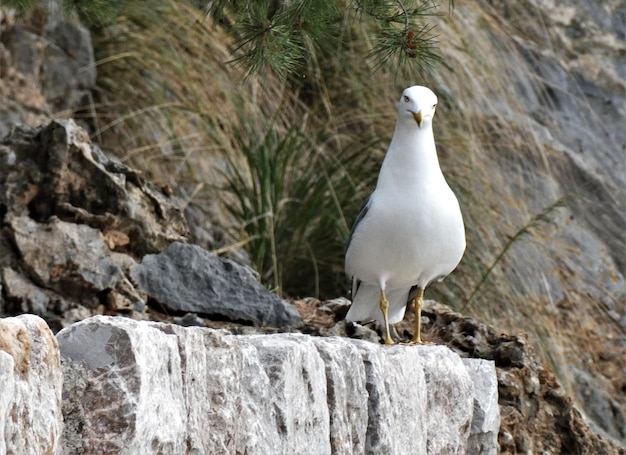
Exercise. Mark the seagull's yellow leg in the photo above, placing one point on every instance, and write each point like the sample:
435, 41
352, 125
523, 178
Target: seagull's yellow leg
384, 307
418, 304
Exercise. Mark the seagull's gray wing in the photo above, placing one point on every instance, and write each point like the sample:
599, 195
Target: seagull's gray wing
354, 284
364, 208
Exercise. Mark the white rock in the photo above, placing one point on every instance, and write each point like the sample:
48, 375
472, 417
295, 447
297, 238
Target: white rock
143, 387
7, 395
30, 387
347, 394
211, 365
129, 394
296, 404
450, 400
483, 439
258, 434
397, 402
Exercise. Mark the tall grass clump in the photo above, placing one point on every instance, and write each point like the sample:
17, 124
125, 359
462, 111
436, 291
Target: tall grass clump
287, 196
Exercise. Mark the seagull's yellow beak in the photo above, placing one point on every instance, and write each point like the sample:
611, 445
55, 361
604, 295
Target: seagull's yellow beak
419, 117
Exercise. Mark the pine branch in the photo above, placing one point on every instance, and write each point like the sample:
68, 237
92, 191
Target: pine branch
271, 34
402, 45
265, 41
411, 41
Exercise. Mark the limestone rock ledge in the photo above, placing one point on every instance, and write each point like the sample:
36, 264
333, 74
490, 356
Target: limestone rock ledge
146, 387
30, 387
135, 387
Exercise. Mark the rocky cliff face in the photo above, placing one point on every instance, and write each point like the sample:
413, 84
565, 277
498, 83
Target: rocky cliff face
549, 95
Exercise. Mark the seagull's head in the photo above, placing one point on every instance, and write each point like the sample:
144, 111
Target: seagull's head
418, 104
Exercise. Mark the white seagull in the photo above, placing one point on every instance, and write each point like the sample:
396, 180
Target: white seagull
410, 230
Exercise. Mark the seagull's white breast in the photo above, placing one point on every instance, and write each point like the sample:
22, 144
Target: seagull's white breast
412, 234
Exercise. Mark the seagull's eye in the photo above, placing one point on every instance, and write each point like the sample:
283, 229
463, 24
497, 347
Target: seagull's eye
434, 106
406, 99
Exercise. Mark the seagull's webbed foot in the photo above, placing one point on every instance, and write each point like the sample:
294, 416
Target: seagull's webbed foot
384, 307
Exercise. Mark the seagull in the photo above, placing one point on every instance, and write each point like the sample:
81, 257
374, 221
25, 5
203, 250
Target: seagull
409, 232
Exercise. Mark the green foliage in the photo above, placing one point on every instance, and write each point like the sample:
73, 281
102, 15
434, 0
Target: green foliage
286, 37
403, 37
288, 198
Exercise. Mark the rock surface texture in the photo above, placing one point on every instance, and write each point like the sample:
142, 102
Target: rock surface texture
31, 421
46, 66
144, 387
133, 387
187, 278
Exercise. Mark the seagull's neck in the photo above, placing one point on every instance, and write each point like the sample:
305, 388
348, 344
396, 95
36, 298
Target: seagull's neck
411, 158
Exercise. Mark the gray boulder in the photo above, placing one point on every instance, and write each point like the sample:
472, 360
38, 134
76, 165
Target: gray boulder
187, 278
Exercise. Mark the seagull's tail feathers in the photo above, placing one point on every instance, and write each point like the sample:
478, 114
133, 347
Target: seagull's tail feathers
366, 304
